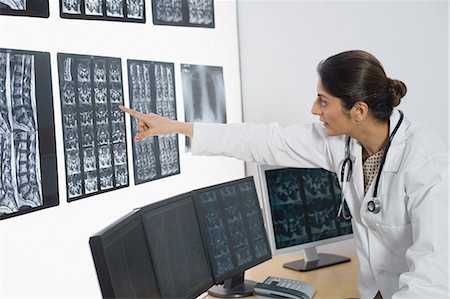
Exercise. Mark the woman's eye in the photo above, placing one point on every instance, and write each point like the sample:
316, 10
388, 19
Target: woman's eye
322, 102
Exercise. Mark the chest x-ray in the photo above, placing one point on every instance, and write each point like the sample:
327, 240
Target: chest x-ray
94, 129
203, 94
23, 178
152, 89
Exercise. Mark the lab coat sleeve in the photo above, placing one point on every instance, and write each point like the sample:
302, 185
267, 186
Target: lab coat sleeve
427, 258
295, 146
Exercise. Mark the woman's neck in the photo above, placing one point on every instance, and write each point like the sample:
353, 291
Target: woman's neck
372, 136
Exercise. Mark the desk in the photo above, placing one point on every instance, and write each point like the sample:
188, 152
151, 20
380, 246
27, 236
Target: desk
338, 281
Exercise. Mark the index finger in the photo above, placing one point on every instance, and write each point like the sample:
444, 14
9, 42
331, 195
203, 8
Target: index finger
132, 112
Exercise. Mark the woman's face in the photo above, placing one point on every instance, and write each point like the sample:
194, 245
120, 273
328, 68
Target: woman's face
331, 112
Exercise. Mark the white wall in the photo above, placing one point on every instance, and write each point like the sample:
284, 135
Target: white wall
281, 43
45, 254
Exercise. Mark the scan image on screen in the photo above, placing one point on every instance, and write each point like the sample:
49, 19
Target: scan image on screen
188, 244
94, 132
180, 260
232, 227
152, 90
304, 206
301, 206
27, 134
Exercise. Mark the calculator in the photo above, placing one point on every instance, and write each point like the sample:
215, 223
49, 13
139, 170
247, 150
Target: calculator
276, 287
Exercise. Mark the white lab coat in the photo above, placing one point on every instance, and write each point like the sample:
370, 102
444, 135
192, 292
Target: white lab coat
403, 250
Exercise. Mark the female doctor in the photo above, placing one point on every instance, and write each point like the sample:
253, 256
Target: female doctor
393, 173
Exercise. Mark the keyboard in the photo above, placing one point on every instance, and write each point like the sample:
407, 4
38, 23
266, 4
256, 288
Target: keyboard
276, 287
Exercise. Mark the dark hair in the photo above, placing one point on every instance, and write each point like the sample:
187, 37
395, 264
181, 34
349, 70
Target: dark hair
357, 76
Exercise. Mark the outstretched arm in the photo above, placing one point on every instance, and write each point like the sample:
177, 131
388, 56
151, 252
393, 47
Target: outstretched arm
295, 146
152, 124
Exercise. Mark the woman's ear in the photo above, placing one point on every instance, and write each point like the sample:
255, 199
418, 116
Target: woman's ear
359, 111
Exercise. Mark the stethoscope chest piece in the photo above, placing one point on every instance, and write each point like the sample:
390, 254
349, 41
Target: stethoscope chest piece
374, 206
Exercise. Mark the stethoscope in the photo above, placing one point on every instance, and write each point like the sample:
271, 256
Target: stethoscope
374, 205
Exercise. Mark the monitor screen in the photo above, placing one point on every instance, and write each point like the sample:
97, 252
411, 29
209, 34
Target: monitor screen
233, 227
301, 207
179, 257
122, 260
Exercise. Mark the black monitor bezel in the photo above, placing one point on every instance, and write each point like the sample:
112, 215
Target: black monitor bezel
218, 279
96, 243
169, 201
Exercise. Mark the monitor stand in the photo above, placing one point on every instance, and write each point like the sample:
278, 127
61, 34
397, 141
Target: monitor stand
234, 287
315, 261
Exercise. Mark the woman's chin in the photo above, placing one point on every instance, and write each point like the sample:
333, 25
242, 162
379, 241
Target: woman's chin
331, 132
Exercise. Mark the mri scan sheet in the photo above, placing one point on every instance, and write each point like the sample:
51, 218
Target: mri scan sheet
152, 89
29, 8
106, 10
191, 13
28, 178
93, 126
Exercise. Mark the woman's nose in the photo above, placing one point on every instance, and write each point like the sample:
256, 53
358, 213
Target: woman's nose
315, 109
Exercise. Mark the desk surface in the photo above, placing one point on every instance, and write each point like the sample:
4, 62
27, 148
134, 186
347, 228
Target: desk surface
337, 281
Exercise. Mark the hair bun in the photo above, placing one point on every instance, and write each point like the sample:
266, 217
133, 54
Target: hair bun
397, 90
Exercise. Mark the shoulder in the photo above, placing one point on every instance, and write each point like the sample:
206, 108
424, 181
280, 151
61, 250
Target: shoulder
425, 152
422, 141
425, 161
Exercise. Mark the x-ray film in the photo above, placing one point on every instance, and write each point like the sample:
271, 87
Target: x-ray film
27, 137
93, 127
304, 205
30, 8
152, 89
204, 95
107, 10
191, 13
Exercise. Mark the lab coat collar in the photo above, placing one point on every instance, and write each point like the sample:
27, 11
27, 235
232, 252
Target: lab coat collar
357, 177
395, 153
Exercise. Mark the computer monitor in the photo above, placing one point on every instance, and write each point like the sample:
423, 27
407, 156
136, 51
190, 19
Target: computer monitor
175, 242
233, 230
122, 260
300, 208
